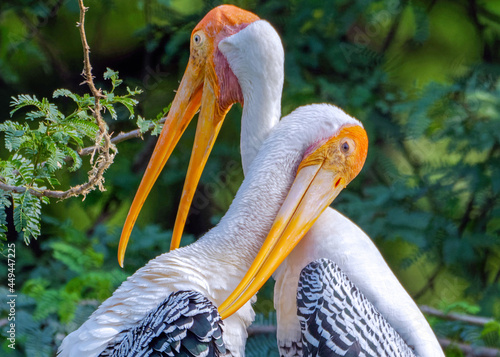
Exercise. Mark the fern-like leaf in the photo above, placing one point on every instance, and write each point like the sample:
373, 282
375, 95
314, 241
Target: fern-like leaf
77, 160
66, 93
14, 135
85, 127
56, 159
113, 75
129, 103
27, 210
4, 203
22, 101
111, 110
73, 258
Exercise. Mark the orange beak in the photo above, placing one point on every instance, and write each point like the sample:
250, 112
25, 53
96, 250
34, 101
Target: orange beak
322, 175
199, 88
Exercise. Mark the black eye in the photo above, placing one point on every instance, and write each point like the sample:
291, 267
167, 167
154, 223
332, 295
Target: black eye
197, 39
345, 147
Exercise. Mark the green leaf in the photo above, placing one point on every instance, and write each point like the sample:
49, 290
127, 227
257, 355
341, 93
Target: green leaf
134, 92
129, 103
4, 203
77, 160
462, 306
111, 110
74, 258
110, 73
27, 210
23, 100
14, 135
55, 160
84, 127
143, 124
66, 93
113, 75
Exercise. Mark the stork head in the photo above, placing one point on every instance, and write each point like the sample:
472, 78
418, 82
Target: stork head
208, 85
327, 166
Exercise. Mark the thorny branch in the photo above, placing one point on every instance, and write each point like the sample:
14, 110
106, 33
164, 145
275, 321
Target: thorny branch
105, 158
85, 151
103, 144
119, 138
469, 319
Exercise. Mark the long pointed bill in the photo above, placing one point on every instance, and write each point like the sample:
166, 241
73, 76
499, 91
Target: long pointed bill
185, 105
209, 123
312, 191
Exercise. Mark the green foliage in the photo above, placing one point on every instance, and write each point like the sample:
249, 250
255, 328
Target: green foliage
422, 76
27, 209
491, 333
39, 153
153, 125
4, 203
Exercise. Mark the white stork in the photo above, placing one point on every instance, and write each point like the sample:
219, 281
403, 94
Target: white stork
310, 157
248, 65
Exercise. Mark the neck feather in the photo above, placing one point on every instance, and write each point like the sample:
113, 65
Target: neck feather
261, 112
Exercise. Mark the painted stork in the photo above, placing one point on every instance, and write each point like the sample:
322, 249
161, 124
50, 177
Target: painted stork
308, 159
237, 57
337, 320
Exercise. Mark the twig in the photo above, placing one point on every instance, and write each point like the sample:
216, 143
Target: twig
430, 283
105, 158
392, 31
103, 142
119, 138
85, 151
469, 350
37, 193
469, 319
87, 68
466, 217
261, 329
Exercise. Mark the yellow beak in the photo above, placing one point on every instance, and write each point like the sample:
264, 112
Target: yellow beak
321, 176
197, 88
209, 124
312, 191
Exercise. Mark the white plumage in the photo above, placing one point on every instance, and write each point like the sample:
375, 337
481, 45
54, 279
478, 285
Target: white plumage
256, 59
215, 263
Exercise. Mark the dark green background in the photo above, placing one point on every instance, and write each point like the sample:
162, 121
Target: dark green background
422, 76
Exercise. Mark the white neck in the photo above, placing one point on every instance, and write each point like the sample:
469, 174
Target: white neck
256, 57
270, 176
229, 247
260, 114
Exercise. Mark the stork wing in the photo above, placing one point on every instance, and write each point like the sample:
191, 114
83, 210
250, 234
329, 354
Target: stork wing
337, 320
186, 323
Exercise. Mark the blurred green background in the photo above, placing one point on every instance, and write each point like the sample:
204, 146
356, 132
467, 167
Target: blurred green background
422, 76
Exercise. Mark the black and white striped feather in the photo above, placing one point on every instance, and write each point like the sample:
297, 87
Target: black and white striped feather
184, 324
337, 320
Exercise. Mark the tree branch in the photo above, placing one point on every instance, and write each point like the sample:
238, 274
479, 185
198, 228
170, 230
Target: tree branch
469, 319
105, 158
119, 138
103, 143
469, 350
85, 151
430, 283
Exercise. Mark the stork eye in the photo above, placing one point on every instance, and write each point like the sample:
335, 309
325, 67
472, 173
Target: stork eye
347, 146
197, 39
